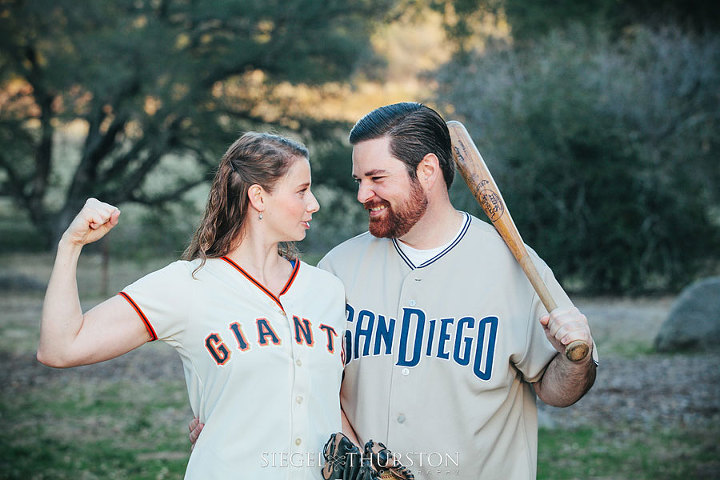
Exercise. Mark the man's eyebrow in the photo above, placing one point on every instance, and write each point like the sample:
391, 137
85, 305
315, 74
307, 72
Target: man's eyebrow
372, 173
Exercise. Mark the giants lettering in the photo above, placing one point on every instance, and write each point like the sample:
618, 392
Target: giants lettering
265, 330
464, 341
217, 348
331, 334
267, 336
303, 328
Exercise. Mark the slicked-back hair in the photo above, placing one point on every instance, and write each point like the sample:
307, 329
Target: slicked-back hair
414, 131
254, 158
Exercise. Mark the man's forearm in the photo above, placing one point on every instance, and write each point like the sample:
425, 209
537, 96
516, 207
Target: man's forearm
565, 382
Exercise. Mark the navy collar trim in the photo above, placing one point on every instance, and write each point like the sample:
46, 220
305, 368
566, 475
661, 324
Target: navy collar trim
463, 231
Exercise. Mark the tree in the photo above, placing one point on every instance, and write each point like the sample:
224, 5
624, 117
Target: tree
158, 88
605, 150
466, 20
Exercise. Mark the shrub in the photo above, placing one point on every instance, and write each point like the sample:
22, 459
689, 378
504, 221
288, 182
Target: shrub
606, 150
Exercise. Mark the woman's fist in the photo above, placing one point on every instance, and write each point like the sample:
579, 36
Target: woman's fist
92, 223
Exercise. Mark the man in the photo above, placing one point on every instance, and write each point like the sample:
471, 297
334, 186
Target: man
446, 344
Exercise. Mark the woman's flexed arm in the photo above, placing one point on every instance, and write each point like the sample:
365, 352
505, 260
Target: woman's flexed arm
67, 337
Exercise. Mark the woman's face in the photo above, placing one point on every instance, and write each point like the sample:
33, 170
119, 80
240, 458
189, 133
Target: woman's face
290, 206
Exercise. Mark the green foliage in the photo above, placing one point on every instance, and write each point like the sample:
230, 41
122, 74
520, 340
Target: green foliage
153, 86
109, 430
160, 231
668, 453
605, 151
695, 15
529, 20
340, 217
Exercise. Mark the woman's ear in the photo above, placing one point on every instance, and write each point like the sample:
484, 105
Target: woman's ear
256, 196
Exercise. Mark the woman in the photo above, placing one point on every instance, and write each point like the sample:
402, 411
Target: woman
260, 348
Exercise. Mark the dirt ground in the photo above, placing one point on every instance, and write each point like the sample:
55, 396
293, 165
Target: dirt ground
634, 386
636, 389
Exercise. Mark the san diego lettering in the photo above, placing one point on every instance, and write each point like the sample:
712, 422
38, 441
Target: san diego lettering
467, 341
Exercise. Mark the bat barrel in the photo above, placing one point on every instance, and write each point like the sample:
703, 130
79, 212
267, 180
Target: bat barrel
477, 176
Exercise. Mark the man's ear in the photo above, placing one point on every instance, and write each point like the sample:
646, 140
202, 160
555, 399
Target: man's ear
256, 196
428, 170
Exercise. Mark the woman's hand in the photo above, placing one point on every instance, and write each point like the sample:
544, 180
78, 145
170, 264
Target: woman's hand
92, 223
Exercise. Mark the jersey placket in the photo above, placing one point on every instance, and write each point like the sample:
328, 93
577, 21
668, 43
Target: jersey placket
403, 379
299, 414
298, 366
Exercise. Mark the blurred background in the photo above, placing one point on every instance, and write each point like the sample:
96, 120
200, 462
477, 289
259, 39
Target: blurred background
600, 121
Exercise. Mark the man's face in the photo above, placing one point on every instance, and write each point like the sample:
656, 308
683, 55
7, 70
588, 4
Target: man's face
394, 201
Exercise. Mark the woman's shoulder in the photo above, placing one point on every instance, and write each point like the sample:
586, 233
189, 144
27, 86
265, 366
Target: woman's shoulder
181, 266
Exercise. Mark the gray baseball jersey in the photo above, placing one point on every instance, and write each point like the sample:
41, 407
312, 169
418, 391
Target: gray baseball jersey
263, 372
440, 356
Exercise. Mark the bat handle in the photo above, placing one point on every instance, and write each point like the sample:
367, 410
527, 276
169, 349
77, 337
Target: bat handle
577, 350
574, 351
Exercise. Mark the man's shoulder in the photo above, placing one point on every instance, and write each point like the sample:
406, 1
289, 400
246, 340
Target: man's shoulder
484, 233
349, 248
319, 276
480, 226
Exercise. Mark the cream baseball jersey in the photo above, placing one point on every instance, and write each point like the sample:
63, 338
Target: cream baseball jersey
263, 372
439, 356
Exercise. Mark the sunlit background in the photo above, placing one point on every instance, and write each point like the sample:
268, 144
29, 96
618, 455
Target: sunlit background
599, 119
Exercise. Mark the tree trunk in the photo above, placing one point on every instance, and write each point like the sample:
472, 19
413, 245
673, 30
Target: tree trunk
57, 223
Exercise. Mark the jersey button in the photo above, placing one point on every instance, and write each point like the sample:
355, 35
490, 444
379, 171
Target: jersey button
406, 371
412, 303
298, 362
299, 399
298, 441
401, 418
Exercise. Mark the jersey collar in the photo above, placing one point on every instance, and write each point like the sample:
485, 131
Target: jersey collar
293, 276
460, 235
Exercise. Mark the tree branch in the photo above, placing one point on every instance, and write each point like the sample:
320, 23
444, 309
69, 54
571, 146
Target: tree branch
166, 196
15, 182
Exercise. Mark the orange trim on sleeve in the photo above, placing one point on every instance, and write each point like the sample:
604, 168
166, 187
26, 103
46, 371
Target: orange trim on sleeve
148, 326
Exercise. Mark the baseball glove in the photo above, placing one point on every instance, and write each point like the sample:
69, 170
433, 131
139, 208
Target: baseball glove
344, 461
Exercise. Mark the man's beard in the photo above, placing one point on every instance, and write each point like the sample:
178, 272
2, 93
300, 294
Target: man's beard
397, 222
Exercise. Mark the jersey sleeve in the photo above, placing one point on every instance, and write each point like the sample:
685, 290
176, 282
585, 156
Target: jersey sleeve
326, 263
539, 350
162, 299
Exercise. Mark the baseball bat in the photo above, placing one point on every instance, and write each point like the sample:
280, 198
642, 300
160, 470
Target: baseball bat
477, 176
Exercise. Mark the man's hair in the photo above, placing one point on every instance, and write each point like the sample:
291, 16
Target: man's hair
414, 131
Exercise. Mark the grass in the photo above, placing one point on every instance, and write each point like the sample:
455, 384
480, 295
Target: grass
601, 453
97, 422
95, 429
127, 418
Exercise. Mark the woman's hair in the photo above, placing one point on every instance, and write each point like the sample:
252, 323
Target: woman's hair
254, 158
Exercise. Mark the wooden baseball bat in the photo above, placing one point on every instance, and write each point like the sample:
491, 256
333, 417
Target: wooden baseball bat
477, 176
